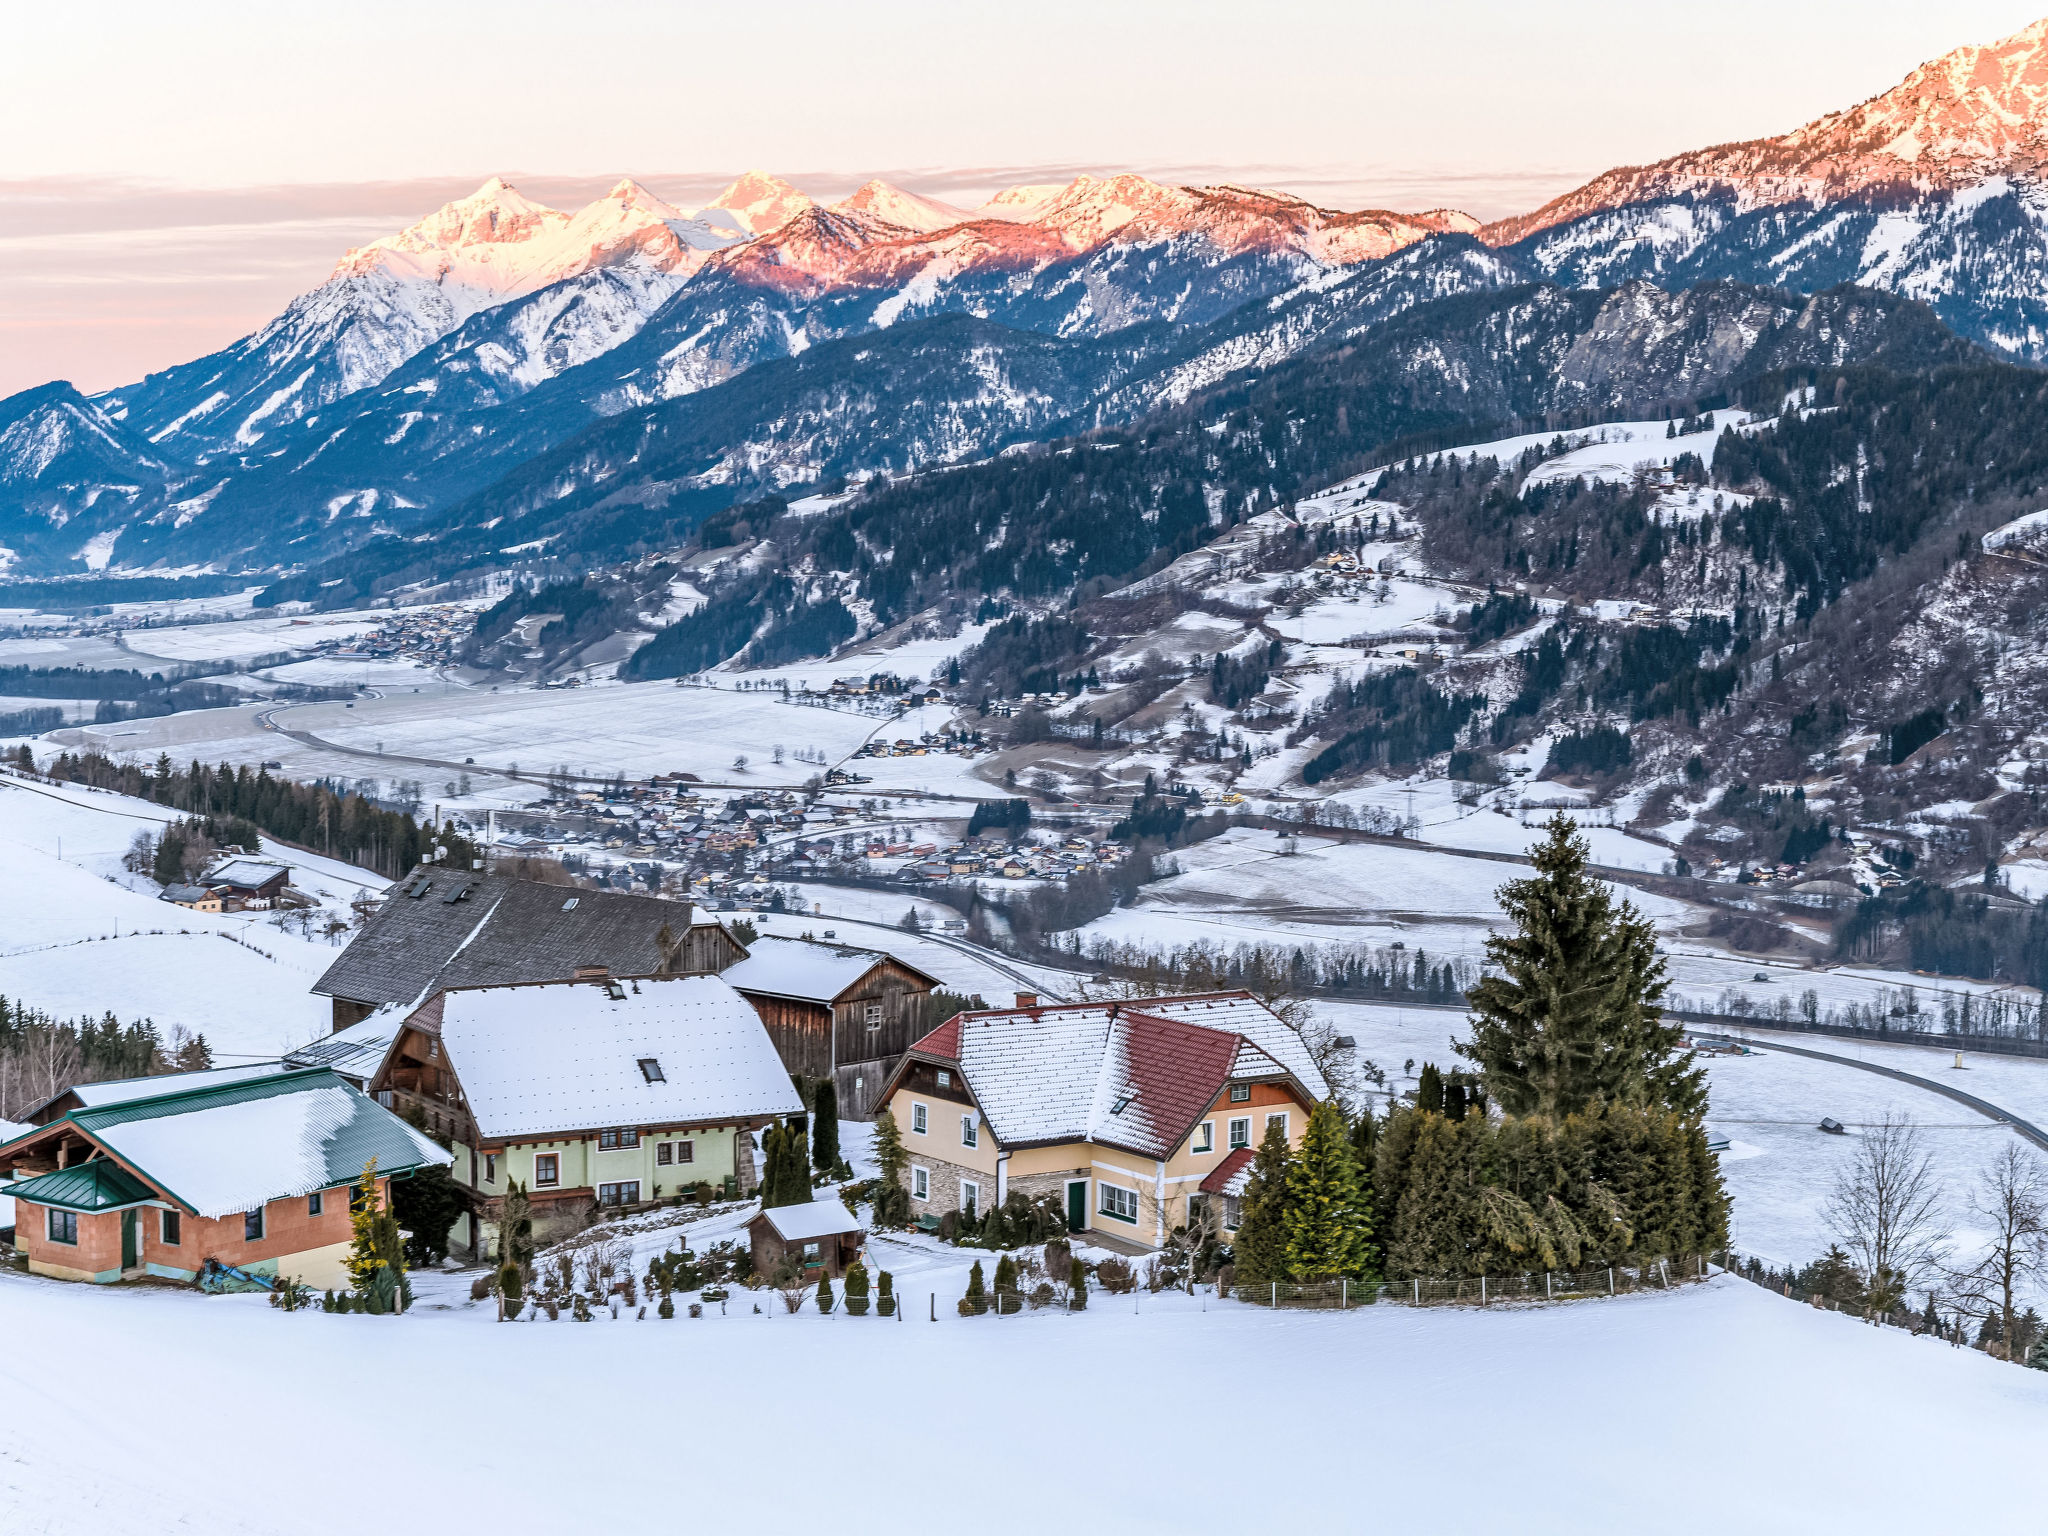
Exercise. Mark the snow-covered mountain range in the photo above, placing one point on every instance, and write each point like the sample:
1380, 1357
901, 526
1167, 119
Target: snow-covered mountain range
438, 359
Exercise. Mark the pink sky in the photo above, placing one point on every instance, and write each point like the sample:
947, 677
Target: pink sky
176, 174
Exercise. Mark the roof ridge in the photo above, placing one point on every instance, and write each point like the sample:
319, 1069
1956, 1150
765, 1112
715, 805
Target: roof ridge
292, 1079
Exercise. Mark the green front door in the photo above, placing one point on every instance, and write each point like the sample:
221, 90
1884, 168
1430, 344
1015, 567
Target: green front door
128, 1239
1077, 1205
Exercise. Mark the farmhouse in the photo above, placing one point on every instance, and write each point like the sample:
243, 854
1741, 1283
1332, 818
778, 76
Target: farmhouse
1123, 1111
838, 1012
443, 928
255, 1172
594, 1093
254, 885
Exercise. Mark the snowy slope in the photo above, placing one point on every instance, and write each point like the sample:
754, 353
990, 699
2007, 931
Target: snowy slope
1806, 1407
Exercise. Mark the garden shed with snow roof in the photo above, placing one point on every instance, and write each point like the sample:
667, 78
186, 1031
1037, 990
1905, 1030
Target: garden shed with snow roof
836, 1011
254, 1171
815, 1239
1121, 1112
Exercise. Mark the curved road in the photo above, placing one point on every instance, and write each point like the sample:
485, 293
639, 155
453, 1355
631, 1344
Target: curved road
1983, 1107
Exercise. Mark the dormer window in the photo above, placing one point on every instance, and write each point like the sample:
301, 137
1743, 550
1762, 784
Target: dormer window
650, 1069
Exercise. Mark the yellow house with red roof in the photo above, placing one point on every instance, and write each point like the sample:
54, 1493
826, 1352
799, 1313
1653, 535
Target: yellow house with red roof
1124, 1111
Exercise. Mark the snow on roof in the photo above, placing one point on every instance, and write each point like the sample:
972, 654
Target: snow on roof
1229, 1176
234, 1146
812, 1220
1118, 1074
358, 1051
802, 968
123, 1090
566, 1056
245, 872
1243, 1014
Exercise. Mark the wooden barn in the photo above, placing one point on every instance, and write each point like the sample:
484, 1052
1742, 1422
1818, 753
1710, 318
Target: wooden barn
833, 1011
445, 928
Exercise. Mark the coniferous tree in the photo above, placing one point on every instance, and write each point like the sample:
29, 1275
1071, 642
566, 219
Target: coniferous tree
892, 1196
1261, 1245
1571, 1018
1328, 1217
1429, 1089
796, 1167
825, 1127
1077, 1287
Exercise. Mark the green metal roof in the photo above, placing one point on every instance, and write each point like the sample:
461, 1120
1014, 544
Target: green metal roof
225, 1153
98, 1185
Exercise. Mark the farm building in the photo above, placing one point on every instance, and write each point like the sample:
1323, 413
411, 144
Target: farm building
1124, 1112
593, 1093
255, 1172
442, 928
835, 1011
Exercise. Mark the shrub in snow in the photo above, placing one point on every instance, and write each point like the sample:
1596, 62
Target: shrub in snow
697, 1309
1077, 1300
857, 1289
885, 1303
825, 1293
975, 1302
1116, 1276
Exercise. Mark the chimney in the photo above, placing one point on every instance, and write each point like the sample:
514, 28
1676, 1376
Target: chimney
1027, 999
593, 972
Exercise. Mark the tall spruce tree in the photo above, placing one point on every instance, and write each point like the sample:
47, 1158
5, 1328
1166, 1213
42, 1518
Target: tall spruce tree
1328, 1217
1260, 1251
1571, 1019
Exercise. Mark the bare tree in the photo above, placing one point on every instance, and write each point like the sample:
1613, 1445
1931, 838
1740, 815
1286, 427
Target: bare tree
2011, 1202
1885, 1208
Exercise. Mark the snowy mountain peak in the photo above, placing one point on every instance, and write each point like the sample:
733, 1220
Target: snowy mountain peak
893, 205
1020, 203
1978, 112
762, 202
631, 193
472, 240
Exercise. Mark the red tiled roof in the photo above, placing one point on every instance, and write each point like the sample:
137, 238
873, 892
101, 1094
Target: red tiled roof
1172, 1071
943, 1041
1218, 1182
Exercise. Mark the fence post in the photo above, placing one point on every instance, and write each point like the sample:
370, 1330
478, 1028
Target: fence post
1276, 1295
1610, 1281
935, 1305
1343, 1292
1418, 1290
1482, 1290
1546, 1285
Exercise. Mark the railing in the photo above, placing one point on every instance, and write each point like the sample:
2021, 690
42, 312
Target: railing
1478, 1291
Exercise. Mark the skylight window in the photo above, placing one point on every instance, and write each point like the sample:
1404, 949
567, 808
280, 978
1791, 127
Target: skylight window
1123, 1102
650, 1069
570, 904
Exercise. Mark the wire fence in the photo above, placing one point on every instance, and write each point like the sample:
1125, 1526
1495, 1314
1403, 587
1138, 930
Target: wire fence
1533, 1288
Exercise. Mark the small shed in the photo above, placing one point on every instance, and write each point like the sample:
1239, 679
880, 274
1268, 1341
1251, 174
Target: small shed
817, 1239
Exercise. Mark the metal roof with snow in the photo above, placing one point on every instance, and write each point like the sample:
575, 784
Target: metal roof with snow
357, 1051
98, 1185
120, 1090
808, 970
1117, 1074
566, 1057
810, 1221
246, 873
234, 1146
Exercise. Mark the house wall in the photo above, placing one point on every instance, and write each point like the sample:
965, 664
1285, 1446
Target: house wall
96, 1255
294, 1243
563, 1205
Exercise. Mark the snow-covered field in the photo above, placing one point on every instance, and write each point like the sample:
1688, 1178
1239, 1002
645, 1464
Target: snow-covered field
1326, 1421
78, 935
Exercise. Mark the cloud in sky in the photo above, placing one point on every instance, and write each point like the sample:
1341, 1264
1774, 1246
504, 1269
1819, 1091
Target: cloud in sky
318, 128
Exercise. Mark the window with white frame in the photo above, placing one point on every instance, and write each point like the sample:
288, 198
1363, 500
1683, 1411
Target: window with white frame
626, 1192
490, 1167
1240, 1132
873, 1013
970, 1198
664, 1152
945, 1078
920, 1184
1119, 1202
970, 1132
1279, 1120
1240, 1093
1233, 1213
1204, 1139
920, 1119
547, 1169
